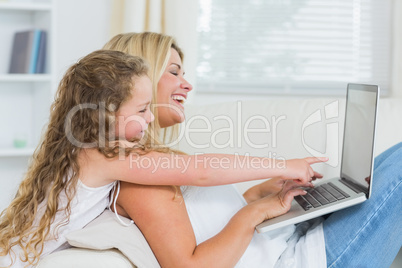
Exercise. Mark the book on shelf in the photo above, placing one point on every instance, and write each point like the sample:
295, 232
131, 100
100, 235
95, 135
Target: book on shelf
40, 64
28, 55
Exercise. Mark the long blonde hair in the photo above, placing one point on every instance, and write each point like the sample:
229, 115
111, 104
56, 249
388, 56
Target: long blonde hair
102, 77
155, 48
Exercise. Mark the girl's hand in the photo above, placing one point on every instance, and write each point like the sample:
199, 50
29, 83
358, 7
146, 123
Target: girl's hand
300, 170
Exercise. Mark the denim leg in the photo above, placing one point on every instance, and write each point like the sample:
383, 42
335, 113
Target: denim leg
384, 155
370, 234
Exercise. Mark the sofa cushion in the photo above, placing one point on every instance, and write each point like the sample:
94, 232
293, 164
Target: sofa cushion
105, 232
85, 258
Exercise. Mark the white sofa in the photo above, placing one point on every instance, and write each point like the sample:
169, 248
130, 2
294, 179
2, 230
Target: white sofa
278, 127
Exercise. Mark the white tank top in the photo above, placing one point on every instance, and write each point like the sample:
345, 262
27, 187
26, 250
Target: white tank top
87, 204
210, 209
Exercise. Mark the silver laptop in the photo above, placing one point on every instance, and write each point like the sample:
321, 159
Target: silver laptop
353, 185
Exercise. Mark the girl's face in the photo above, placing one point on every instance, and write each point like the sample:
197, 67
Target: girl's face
134, 114
172, 92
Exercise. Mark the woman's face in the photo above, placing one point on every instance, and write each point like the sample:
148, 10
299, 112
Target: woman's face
172, 92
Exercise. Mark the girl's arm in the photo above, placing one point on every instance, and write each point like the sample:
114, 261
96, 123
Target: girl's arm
157, 168
165, 224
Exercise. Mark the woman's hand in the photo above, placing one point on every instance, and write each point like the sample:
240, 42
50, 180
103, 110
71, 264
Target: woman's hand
261, 190
297, 173
300, 170
276, 204
274, 186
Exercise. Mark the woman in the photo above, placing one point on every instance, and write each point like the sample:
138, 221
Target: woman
191, 234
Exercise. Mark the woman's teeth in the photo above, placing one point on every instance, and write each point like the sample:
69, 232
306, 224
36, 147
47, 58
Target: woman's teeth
179, 98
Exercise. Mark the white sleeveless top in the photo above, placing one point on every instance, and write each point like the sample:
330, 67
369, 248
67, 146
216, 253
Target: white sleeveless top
87, 204
210, 209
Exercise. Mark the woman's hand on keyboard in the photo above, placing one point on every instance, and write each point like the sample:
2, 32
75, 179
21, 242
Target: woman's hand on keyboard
278, 203
273, 186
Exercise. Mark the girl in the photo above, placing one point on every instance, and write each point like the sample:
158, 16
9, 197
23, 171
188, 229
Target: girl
61, 192
101, 110
214, 226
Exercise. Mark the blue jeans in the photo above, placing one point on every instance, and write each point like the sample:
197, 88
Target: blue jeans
370, 234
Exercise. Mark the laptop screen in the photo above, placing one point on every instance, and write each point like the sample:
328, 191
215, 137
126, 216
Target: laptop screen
358, 144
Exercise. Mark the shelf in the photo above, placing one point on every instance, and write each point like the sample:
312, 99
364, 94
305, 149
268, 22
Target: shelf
27, 6
25, 78
25, 98
12, 152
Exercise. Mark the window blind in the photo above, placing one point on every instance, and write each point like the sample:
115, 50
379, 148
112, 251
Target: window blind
292, 46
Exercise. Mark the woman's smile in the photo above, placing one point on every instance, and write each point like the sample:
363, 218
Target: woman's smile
180, 99
172, 92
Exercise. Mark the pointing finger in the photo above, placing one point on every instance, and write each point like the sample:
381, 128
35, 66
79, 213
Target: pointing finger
313, 160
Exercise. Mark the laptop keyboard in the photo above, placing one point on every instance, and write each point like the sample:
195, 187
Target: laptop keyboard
321, 195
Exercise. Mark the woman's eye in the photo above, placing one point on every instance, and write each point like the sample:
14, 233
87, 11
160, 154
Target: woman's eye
174, 73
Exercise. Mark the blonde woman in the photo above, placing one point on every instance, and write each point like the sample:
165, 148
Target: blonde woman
214, 226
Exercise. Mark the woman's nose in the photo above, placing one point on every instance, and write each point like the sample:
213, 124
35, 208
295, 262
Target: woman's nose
186, 85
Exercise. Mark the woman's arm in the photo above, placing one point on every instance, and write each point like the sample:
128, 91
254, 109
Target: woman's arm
157, 168
165, 224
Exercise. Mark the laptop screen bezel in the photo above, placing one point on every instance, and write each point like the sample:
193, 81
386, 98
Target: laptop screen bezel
369, 88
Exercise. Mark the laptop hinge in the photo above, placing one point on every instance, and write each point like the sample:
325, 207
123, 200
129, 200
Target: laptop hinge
354, 186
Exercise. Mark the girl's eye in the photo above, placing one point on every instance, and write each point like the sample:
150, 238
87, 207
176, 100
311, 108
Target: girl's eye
143, 110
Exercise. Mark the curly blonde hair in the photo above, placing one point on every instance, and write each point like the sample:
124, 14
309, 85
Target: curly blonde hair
103, 77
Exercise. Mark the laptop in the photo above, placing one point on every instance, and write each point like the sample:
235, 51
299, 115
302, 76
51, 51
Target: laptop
353, 184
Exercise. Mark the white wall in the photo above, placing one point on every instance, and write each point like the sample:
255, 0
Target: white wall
83, 26
397, 50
